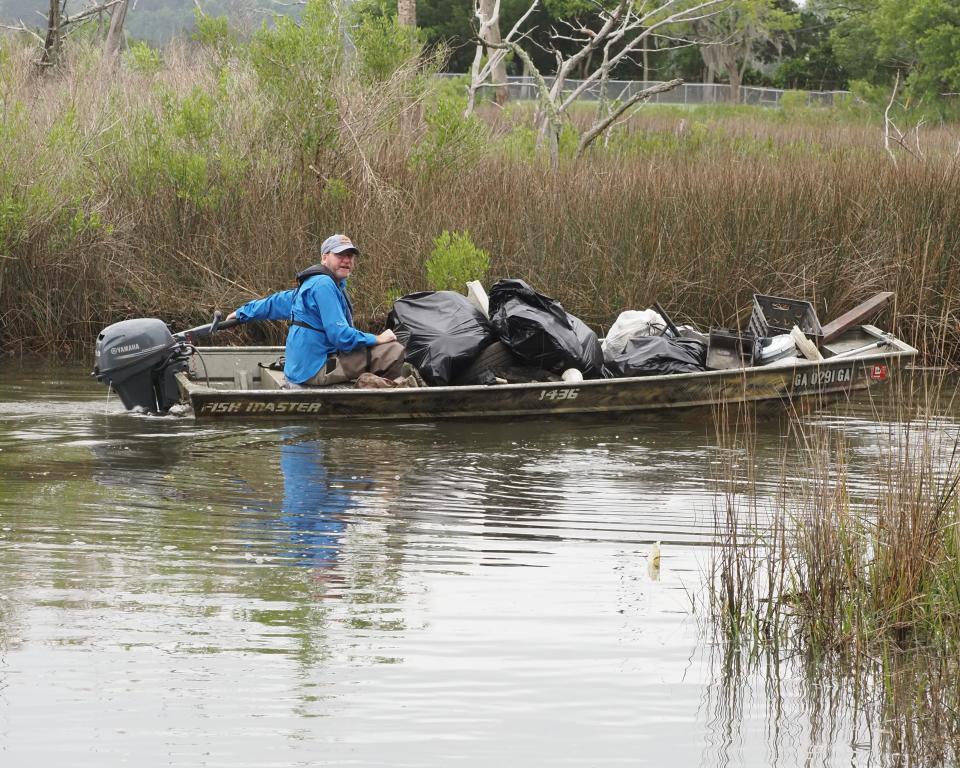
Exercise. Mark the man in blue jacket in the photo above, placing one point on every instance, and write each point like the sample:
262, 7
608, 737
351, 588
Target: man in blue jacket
323, 347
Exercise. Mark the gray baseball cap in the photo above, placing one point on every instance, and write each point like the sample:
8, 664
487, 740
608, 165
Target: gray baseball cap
338, 244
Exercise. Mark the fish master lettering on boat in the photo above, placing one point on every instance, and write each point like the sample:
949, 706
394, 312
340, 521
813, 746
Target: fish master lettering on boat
226, 407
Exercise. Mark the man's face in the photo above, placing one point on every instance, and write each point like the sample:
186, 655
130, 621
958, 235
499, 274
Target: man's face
341, 264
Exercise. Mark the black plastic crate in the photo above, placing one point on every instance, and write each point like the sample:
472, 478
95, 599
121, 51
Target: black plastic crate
729, 349
773, 315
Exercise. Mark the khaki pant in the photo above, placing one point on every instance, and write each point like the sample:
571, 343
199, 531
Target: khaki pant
383, 360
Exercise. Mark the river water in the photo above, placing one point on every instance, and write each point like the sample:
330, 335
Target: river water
403, 595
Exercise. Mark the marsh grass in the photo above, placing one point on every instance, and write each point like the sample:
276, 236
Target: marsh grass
197, 185
852, 565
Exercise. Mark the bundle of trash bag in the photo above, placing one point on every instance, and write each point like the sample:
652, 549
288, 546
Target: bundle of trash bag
656, 355
442, 331
541, 333
531, 337
631, 323
640, 344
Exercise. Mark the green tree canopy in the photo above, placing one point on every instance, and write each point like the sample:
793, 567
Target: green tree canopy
919, 38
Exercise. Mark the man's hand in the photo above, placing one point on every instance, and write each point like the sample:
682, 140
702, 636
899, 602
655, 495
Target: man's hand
386, 337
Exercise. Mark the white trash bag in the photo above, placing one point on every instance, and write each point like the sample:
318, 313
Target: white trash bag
631, 323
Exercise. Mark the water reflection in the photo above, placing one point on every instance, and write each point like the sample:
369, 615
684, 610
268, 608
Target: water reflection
899, 710
414, 594
314, 506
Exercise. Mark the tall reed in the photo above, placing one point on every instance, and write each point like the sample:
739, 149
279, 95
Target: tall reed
172, 192
854, 564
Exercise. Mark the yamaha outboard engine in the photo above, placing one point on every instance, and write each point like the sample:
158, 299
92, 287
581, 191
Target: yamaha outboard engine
139, 358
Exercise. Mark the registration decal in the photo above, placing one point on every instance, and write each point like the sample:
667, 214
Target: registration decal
811, 381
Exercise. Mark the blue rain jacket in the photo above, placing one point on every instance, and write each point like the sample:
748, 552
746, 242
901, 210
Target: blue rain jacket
275, 307
320, 303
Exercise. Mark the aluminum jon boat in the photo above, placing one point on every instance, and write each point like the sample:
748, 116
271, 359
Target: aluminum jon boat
235, 383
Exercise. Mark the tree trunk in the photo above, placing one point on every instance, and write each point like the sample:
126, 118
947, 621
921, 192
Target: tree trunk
115, 34
53, 40
491, 35
735, 81
730, 61
407, 12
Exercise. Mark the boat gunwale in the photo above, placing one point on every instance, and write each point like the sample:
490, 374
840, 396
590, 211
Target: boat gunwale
192, 387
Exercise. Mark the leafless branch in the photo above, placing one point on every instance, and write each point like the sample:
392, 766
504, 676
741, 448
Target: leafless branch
621, 32
86, 13
900, 139
887, 122
602, 125
23, 28
637, 24
478, 75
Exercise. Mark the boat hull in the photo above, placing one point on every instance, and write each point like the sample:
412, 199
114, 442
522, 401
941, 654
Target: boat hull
244, 396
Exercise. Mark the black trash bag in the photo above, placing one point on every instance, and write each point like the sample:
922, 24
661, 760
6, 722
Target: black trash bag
657, 355
541, 332
442, 331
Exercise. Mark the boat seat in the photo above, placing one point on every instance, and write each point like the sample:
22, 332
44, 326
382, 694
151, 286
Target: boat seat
272, 379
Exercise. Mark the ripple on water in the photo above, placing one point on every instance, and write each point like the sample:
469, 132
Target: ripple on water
412, 594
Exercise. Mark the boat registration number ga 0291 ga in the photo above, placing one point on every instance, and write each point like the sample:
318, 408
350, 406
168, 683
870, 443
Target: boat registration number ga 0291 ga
813, 380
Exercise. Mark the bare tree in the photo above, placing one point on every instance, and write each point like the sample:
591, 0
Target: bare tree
893, 137
54, 39
111, 46
58, 26
489, 41
619, 34
488, 12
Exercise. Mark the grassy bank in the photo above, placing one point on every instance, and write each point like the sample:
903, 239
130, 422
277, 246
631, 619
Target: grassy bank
195, 181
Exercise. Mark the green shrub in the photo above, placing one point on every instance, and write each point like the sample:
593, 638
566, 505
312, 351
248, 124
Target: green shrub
141, 58
451, 140
336, 191
392, 295
296, 63
568, 140
383, 46
792, 101
876, 96
520, 143
193, 117
213, 32
454, 261
11, 224
453, 89
184, 151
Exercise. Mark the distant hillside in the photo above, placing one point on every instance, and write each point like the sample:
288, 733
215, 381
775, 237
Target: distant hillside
157, 21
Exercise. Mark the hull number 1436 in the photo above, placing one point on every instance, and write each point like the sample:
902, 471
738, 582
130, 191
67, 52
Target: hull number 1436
559, 394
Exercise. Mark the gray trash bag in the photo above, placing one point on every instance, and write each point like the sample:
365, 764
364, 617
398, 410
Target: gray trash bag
541, 332
442, 331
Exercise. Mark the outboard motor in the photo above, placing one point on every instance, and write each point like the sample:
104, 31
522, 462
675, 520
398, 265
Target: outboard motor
139, 358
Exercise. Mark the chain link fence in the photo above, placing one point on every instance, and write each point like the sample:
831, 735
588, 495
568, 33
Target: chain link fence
522, 87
